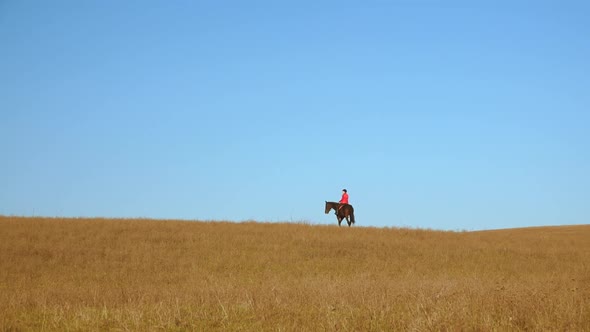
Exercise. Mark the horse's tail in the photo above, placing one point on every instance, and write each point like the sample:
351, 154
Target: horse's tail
352, 216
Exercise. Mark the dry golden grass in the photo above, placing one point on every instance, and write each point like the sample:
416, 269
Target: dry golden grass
99, 274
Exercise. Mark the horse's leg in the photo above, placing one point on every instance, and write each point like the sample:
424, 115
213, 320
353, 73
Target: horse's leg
348, 220
339, 221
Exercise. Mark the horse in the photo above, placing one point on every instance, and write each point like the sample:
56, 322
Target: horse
346, 211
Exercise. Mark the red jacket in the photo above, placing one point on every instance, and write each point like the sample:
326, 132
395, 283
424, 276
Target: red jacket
344, 199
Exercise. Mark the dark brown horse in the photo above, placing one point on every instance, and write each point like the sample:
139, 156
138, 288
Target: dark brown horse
342, 211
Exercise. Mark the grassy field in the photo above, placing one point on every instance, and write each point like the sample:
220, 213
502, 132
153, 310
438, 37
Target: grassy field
100, 274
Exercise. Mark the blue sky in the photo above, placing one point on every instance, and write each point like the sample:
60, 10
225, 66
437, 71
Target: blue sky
457, 115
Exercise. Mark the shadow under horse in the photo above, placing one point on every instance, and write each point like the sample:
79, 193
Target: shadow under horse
342, 211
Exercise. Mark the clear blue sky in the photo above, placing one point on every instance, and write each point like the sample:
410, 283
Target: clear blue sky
433, 114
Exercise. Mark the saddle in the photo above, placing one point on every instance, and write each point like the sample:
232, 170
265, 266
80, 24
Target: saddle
340, 207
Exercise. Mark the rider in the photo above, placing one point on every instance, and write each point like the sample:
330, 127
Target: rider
343, 200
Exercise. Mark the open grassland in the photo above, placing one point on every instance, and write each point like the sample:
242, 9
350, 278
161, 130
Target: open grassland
99, 274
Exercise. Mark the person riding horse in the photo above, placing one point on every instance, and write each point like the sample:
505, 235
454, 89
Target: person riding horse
342, 209
343, 200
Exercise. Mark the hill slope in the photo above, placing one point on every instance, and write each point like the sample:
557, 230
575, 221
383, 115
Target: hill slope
99, 274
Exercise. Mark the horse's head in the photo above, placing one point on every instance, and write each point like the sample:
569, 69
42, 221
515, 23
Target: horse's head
329, 206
